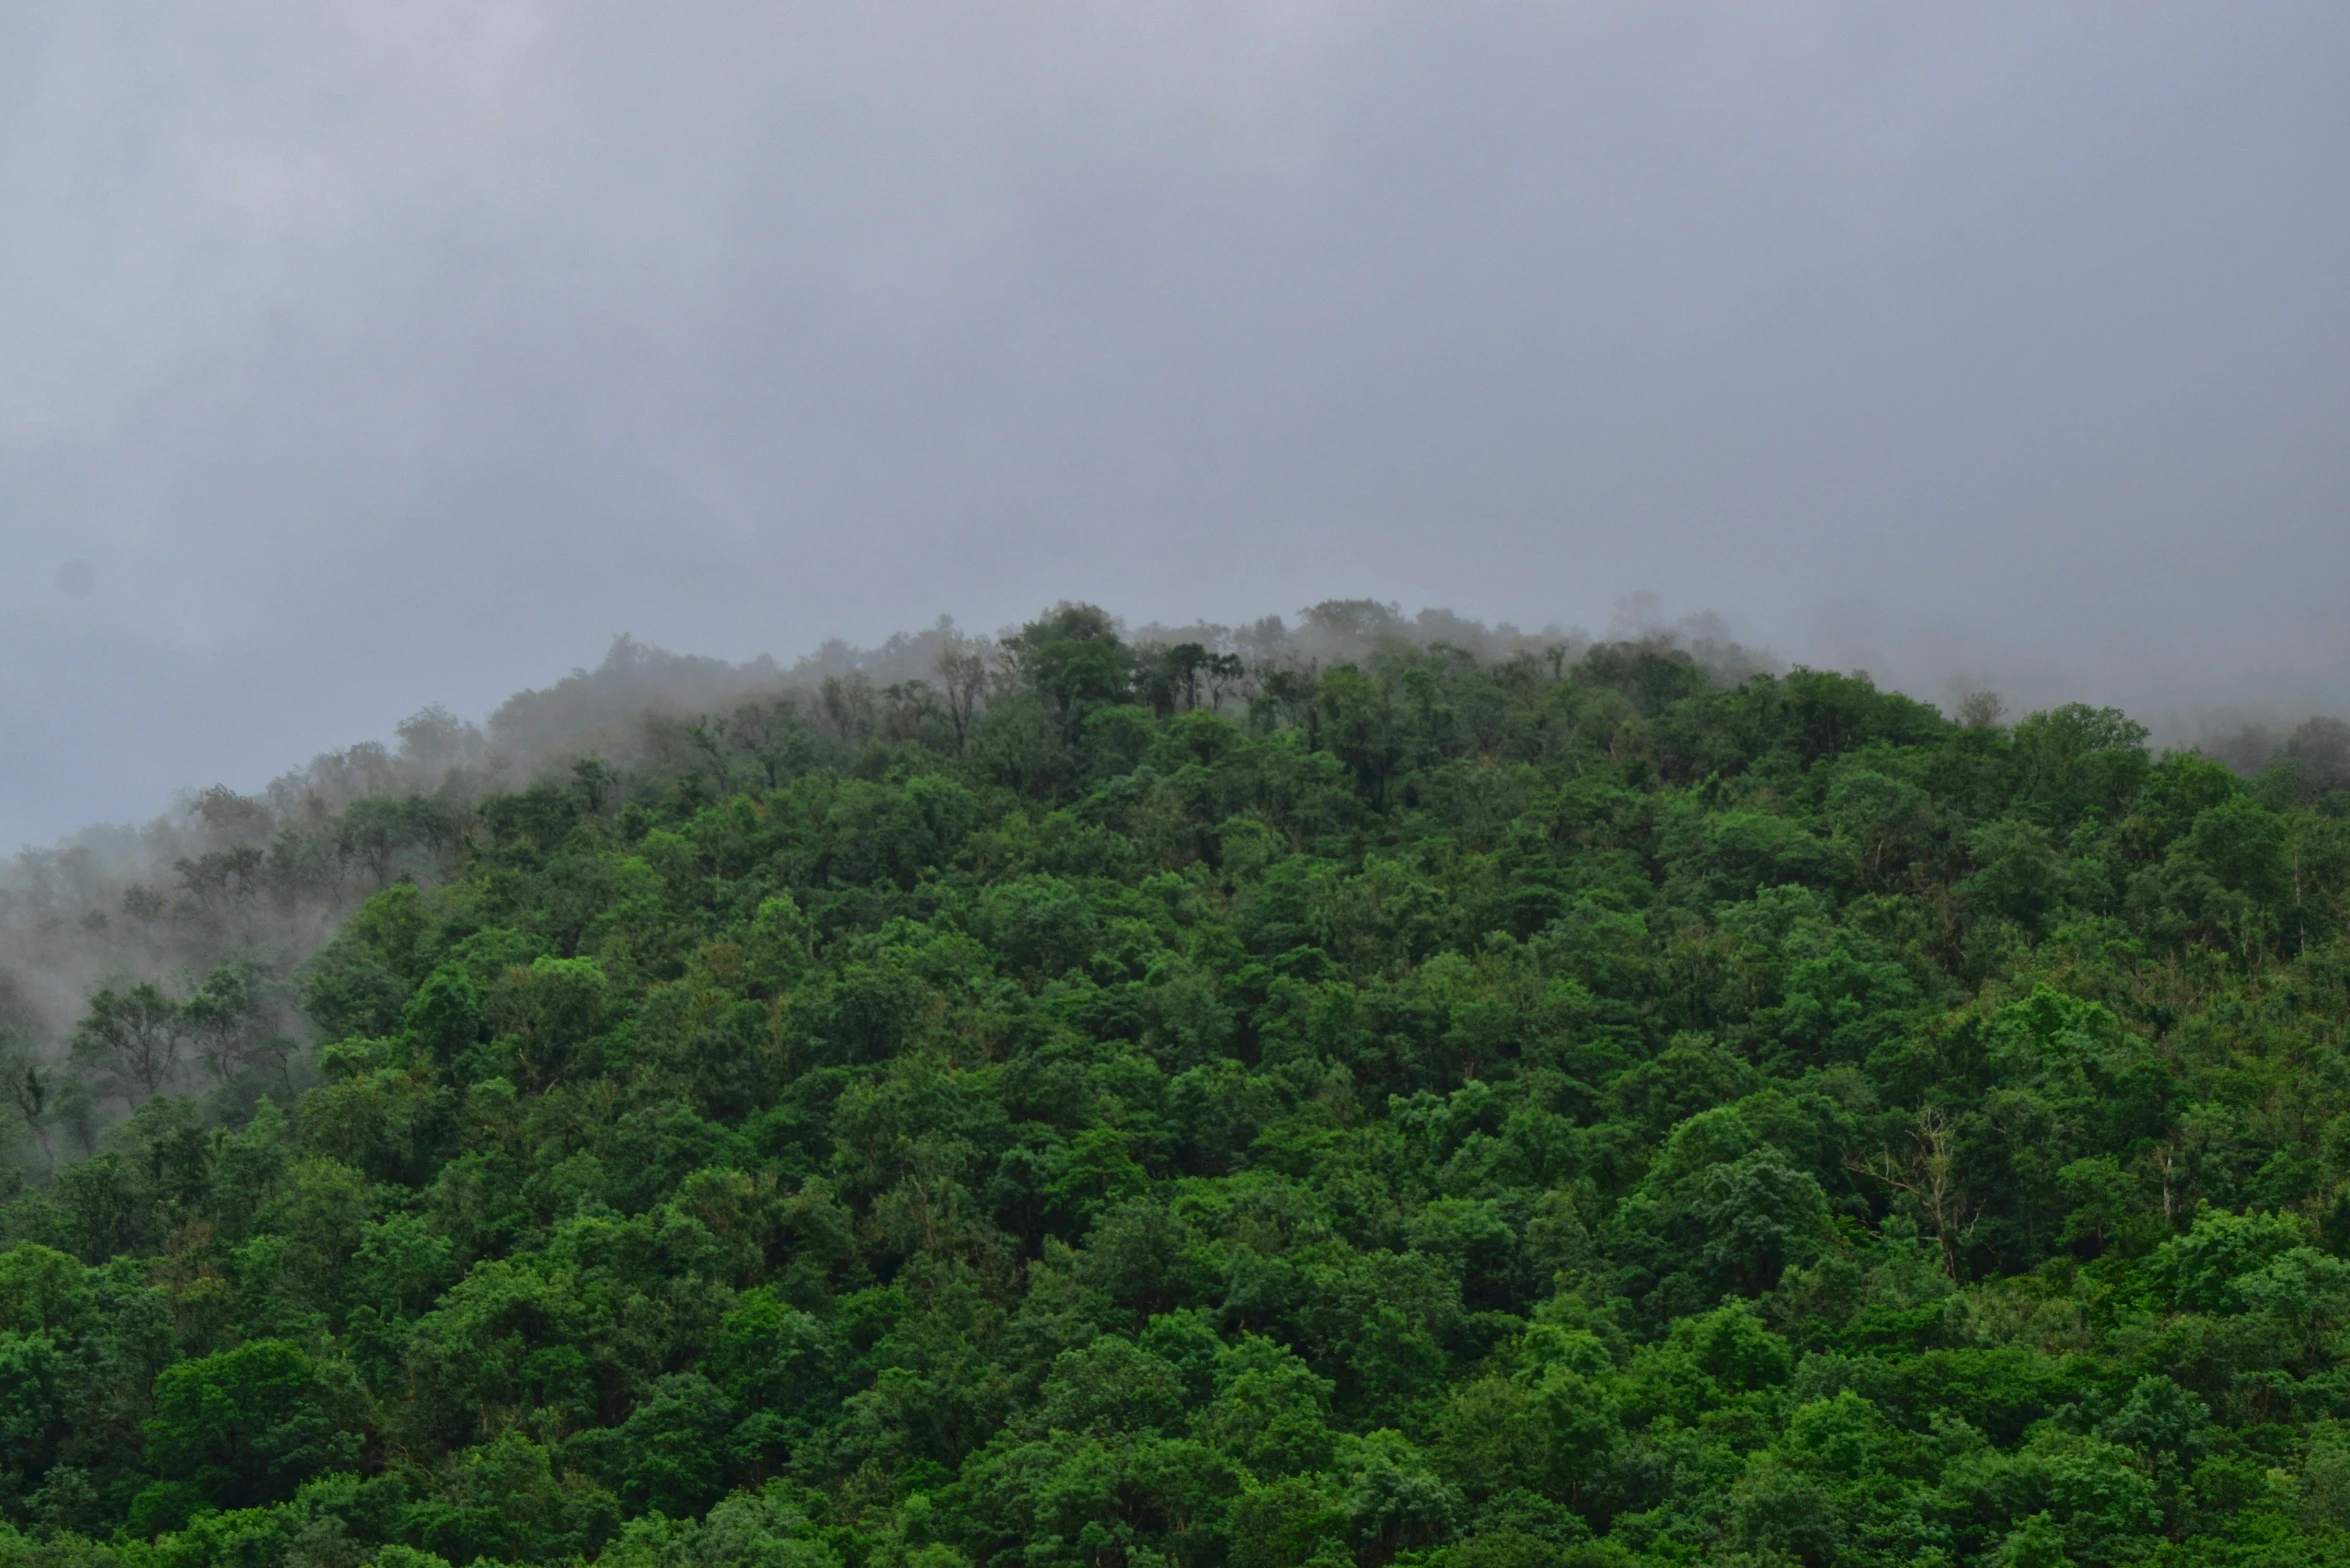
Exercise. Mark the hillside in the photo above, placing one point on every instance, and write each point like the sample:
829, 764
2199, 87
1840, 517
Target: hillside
1385, 1100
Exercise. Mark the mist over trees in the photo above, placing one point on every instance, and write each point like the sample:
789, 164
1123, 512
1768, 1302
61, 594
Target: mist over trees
1378, 1090
255, 883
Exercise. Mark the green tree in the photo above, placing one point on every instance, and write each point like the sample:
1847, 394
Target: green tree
247, 1425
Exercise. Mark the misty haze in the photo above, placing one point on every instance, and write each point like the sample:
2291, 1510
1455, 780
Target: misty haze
1274, 786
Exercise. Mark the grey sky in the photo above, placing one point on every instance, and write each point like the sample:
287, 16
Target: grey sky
375, 355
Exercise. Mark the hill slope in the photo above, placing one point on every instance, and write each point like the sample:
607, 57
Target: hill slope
1470, 1111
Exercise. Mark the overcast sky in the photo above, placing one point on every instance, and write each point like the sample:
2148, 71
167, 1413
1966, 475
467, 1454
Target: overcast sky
354, 357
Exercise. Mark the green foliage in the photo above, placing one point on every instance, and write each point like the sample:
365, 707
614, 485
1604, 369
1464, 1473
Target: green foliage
244, 1425
1139, 1109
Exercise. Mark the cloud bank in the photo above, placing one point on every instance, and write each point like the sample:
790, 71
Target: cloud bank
357, 357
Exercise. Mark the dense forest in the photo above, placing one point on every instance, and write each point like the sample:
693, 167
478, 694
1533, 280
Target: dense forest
1143, 1101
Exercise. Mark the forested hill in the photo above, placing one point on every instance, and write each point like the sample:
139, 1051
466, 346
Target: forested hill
1118, 1106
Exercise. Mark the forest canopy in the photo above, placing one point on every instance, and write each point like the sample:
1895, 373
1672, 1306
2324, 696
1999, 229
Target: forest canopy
1206, 1099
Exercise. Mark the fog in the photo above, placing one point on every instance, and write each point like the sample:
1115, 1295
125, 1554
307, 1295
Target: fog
357, 357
